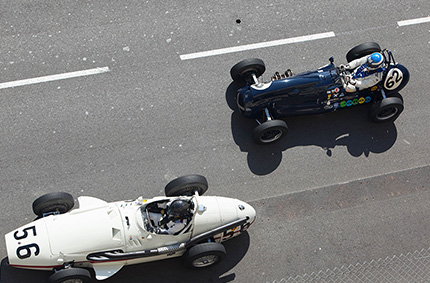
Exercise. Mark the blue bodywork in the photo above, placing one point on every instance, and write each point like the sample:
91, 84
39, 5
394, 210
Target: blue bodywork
305, 93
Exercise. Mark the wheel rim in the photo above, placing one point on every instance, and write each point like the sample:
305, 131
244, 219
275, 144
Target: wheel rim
271, 135
388, 113
188, 191
205, 261
248, 73
56, 208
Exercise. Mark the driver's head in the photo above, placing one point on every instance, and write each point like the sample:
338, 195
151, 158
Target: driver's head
375, 60
178, 208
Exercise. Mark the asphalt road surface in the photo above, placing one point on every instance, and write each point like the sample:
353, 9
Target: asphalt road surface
336, 192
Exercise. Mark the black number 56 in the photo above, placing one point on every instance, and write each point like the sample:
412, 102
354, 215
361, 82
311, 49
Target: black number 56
25, 251
24, 233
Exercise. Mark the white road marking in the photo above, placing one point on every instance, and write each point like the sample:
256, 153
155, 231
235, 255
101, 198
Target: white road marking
54, 77
256, 45
414, 21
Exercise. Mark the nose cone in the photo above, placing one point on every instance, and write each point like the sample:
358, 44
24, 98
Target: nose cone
28, 246
246, 210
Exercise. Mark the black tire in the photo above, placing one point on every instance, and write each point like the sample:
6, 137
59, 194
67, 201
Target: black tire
395, 94
245, 68
362, 50
53, 202
78, 274
204, 255
386, 110
186, 186
270, 131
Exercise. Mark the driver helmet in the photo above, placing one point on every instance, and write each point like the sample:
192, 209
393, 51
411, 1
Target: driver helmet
375, 60
178, 209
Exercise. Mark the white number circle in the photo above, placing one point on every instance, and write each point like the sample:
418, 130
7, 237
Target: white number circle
394, 79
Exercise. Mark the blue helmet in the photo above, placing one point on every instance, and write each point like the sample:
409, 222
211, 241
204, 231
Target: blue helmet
375, 60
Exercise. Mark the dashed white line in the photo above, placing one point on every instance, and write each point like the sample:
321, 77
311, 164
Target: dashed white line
257, 45
413, 21
55, 77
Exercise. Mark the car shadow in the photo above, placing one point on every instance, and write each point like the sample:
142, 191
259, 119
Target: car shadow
170, 270
351, 128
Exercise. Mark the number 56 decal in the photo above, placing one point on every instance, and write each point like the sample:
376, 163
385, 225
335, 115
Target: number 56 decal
25, 251
394, 79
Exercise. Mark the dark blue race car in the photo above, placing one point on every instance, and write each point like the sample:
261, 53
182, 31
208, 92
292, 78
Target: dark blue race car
315, 92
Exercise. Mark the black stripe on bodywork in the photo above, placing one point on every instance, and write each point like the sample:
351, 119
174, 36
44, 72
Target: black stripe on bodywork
121, 255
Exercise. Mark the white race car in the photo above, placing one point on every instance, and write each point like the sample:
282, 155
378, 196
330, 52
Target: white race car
106, 236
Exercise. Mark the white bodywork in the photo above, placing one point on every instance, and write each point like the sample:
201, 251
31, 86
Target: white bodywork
99, 227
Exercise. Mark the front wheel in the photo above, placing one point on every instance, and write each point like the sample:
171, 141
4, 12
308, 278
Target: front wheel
387, 110
204, 255
53, 203
270, 131
186, 186
75, 275
242, 70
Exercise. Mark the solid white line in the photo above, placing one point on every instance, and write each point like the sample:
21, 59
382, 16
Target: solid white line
55, 77
256, 45
414, 21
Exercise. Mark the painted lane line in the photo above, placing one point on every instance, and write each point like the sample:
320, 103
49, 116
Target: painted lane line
413, 21
57, 77
256, 45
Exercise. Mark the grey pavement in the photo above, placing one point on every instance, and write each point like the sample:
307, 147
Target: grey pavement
153, 117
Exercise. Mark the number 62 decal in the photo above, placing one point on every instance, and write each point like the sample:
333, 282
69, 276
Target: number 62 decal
394, 79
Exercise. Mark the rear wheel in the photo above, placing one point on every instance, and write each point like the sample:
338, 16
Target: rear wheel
387, 110
58, 202
242, 70
70, 275
186, 186
362, 50
204, 255
270, 131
